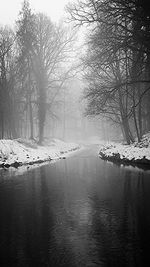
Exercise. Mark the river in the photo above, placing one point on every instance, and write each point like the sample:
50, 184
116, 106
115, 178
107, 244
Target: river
79, 211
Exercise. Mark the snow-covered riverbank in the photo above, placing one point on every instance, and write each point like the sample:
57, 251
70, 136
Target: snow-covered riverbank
22, 152
137, 153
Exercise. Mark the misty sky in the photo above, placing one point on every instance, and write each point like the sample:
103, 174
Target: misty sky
9, 9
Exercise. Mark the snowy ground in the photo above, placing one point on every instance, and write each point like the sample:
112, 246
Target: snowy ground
137, 153
22, 152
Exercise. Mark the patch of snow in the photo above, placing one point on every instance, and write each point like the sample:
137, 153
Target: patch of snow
135, 153
22, 152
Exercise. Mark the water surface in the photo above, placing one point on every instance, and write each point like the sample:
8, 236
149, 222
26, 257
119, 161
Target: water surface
81, 211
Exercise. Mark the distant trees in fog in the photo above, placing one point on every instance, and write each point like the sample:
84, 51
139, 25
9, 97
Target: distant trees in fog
117, 61
34, 67
8, 108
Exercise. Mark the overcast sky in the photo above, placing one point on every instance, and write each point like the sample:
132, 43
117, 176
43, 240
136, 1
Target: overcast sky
9, 9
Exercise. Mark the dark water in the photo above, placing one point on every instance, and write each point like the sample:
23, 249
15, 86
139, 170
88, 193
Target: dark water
81, 211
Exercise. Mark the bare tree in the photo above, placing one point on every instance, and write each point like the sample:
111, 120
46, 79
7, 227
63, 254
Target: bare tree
26, 38
116, 59
50, 54
7, 83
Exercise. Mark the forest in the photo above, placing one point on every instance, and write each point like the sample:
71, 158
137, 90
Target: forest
116, 62
34, 70
38, 63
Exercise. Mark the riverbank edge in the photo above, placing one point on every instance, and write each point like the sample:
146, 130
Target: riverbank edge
51, 153
108, 153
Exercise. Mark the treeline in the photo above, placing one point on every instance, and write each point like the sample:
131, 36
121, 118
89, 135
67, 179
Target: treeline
117, 62
34, 66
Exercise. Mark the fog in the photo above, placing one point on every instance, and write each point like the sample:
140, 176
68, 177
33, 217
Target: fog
63, 80
70, 122
42, 82
74, 133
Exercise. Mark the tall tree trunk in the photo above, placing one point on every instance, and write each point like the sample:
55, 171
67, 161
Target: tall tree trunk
42, 88
42, 112
2, 125
134, 116
136, 125
126, 130
31, 120
124, 118
140, 113
30, 99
